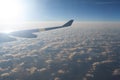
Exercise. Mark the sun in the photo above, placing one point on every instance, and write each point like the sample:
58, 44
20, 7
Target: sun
8, 31
11, 13
10, 10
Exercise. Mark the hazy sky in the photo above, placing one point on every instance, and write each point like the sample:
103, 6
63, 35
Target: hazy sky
15, 13
83, 10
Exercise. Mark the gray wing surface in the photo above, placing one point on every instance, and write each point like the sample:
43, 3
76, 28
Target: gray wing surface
28, 33
6, 38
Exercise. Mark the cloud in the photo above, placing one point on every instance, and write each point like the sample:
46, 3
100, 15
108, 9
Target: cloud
32, 70
42, 69
58, 57
71, 55
116, 72
3, 69
61, 71
5, 74
49, 61
57, 78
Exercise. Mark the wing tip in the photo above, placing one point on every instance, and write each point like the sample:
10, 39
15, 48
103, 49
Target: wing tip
69, 23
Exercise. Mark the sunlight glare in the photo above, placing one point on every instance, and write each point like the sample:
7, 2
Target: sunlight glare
10, 11
8, 31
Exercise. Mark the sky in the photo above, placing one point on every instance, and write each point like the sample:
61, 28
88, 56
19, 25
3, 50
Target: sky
80, 10
15, 13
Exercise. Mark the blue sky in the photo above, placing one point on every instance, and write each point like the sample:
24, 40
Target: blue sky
14, 13
81, 10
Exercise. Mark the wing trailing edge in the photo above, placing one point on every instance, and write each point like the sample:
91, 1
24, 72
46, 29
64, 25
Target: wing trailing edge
28, 33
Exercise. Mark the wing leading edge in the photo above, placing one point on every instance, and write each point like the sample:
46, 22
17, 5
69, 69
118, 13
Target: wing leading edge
28, 33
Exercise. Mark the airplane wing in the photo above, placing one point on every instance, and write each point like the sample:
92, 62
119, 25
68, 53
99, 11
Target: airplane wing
28, 33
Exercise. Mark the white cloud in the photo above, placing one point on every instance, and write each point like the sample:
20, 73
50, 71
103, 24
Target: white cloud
116, 72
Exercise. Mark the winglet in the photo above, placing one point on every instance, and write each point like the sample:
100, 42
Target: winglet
69, 23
